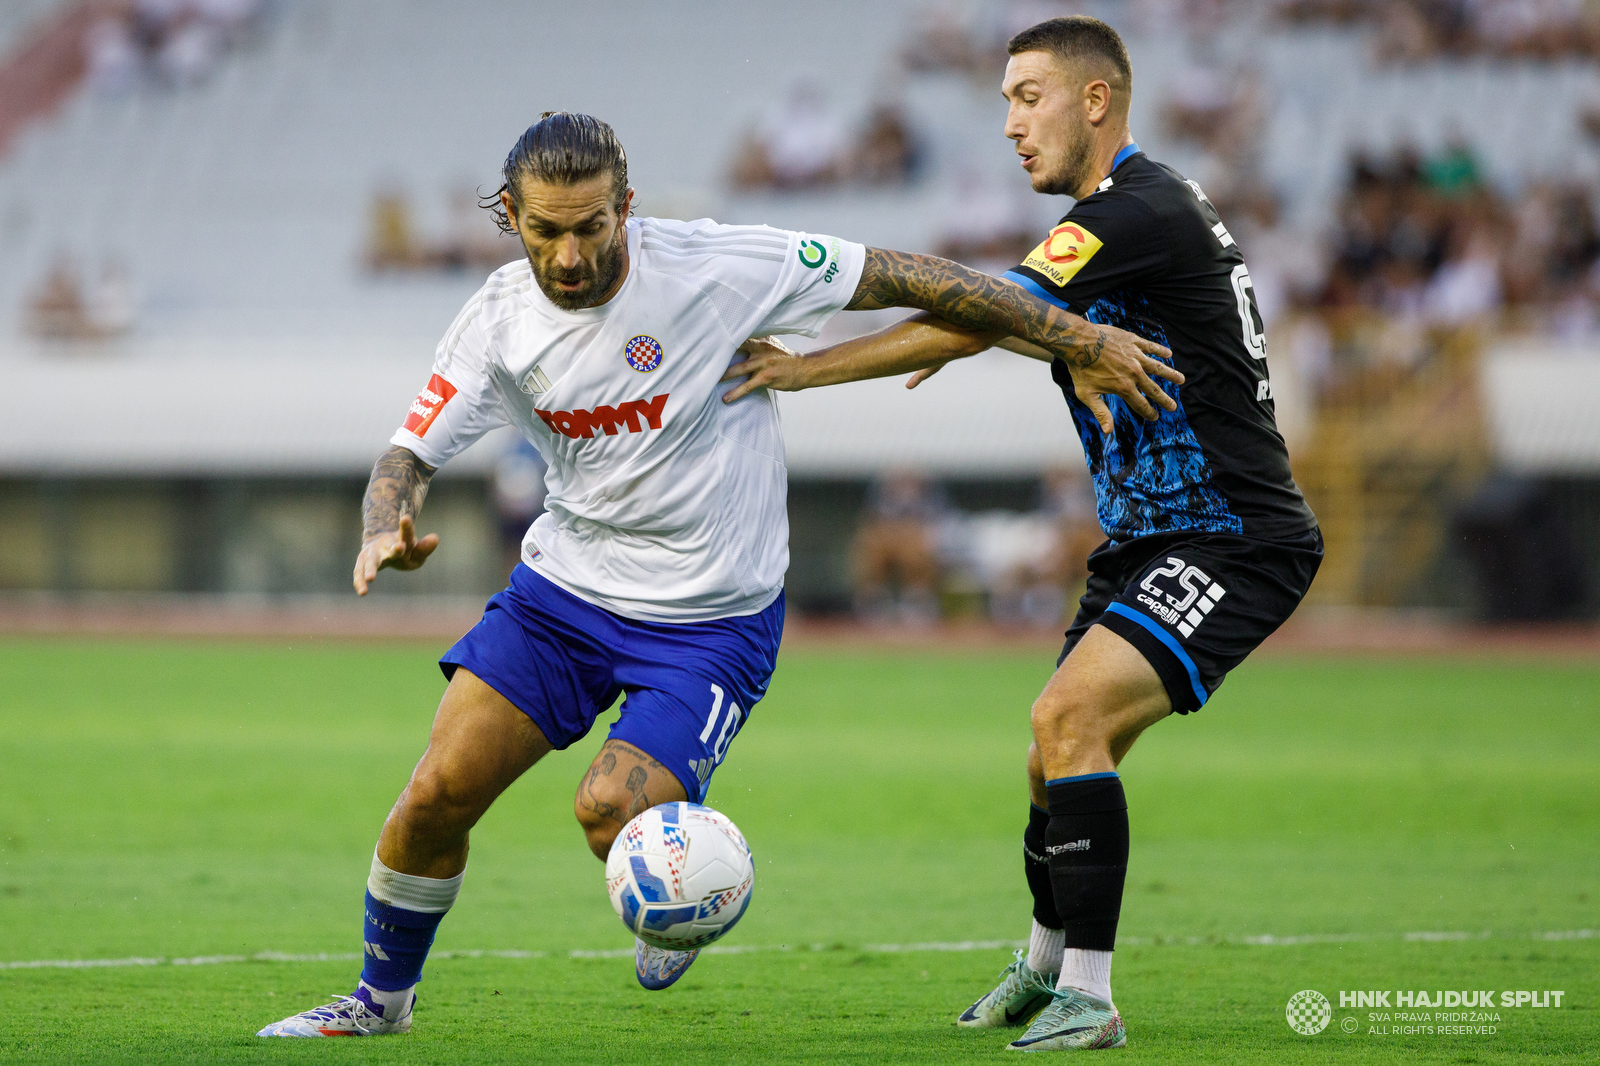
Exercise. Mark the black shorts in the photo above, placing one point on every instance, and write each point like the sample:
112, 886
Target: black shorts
1195, 604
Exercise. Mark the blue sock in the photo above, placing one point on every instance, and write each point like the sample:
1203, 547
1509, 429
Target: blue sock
397, 943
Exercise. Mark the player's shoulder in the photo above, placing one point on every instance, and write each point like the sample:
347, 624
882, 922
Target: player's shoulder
505, 285
673, 246
498, 300
1139, 192
504, 292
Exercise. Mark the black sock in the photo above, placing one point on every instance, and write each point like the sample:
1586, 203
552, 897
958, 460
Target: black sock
1086, 845
1038, 868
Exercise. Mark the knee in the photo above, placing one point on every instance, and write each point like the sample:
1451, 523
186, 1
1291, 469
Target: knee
601, 817
435, 802
1059, 711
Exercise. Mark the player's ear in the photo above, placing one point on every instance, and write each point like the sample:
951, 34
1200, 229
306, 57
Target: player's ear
625, 207
1097, 101
509, 208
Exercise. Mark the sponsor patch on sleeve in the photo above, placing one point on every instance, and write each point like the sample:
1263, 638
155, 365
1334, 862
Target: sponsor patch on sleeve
1063, 253
426, 407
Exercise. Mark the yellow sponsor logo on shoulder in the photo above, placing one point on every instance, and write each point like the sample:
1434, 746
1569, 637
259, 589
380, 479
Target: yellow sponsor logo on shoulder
1063, 253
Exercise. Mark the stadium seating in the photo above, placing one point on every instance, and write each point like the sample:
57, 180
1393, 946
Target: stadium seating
239, 206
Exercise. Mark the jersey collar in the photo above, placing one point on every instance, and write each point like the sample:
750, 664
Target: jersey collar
1120, 158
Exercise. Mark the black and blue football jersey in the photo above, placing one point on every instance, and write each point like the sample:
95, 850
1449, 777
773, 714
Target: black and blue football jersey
1147, 253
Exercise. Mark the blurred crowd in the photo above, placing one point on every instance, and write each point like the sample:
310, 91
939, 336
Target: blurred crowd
803, 143
1421, 248
1424, 237
1412, 30
466, 239
966, 38
169, 43
73, 304
917, 558
971, 37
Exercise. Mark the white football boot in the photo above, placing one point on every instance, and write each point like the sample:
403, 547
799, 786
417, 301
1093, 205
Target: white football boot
1075, 1021
658, 968
357, 1015
1018, 997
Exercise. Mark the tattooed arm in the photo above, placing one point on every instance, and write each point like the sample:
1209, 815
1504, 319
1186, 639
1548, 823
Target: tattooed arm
395, 493
973, 311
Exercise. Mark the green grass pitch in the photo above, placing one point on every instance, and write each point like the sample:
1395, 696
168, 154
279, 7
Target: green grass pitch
170, 800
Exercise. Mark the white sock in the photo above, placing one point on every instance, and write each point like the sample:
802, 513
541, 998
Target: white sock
1087, 971
430, 895
395, 1004
425, 895
1044, 948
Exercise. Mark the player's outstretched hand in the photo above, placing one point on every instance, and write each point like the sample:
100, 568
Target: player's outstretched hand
1126, 365
769, 364
399, 549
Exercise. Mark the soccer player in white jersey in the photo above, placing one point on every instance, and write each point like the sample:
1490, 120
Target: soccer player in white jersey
657, 567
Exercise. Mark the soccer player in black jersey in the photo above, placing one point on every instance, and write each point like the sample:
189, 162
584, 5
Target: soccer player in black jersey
1210, 545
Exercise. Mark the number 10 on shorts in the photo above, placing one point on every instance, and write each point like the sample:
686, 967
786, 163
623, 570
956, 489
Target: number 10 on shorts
730, 725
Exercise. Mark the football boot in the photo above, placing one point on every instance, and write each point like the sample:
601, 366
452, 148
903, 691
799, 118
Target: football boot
357, 1015
658, 968
1074, 1021
1019, 996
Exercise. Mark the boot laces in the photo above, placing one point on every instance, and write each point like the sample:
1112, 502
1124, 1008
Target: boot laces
345, 1007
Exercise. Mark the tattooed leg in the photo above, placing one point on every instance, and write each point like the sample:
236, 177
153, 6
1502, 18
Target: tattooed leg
620, 783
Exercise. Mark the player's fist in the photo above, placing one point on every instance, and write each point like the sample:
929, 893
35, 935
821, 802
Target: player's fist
398, 549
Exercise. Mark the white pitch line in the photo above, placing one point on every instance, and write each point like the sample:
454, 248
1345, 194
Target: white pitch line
748, 949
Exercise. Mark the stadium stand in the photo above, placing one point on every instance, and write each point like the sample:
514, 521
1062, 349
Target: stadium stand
220, 234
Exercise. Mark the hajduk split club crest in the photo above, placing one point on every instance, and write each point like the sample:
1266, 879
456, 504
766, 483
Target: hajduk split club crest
644, 353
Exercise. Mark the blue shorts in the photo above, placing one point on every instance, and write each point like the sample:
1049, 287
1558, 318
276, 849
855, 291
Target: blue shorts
563, 661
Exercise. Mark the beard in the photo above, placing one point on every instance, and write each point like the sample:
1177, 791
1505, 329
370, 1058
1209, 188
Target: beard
593, 281
1074, 169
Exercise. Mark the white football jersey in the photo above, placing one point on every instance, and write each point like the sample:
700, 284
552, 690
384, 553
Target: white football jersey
664, 504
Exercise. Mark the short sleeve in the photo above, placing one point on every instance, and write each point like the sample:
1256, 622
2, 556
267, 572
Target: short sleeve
1104, 243
819, 278
459, 403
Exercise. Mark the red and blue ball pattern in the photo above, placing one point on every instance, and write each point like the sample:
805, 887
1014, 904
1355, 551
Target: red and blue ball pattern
643, 353
680, 876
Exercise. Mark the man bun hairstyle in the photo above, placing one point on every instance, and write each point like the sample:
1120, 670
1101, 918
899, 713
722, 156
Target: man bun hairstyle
563, 147
1079, 39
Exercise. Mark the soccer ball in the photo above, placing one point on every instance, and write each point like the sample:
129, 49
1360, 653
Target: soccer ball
679, 876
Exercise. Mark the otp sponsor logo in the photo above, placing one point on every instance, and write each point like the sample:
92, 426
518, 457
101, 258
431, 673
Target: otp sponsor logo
637, 415
429, 402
